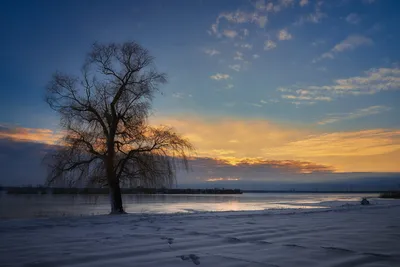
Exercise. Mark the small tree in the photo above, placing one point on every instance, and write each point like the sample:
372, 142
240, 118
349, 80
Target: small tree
104, 113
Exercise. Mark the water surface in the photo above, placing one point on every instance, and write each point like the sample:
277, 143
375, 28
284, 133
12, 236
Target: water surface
29, 206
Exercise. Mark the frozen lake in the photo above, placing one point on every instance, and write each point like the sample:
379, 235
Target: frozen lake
30, 206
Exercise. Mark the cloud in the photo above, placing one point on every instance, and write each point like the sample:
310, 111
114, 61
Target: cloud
222, 179
263, 102
306, 98
259, 139
315, 17
304, 2
21, 165
21, 161
284, 35
181, 95
235, 67
238, 56
220, 76
259, 145
350, 43
230, 33
372, 82
229, 86
286, 3
256, 105
253, 169
261, 21
343, 144
255, 56
359, 113
247, 46
273, 6
211, 52
303, 96
237, 17
38, 135
353, 18
209, 134
268, 45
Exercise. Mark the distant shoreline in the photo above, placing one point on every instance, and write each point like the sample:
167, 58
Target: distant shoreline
104, 191
139, 190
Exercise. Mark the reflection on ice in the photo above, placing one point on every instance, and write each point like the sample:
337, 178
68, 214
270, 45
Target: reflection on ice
18, 206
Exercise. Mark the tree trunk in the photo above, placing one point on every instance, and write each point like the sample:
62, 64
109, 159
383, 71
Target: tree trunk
113, 181
113, 184
116, 198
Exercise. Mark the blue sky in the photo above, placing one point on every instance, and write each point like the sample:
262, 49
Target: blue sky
286, 73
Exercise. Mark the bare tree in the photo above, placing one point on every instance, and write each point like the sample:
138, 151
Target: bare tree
104, 113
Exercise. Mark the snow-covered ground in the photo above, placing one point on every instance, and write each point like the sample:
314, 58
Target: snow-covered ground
345, 235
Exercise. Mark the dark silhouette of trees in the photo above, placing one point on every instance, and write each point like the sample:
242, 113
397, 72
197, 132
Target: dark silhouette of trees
104, 114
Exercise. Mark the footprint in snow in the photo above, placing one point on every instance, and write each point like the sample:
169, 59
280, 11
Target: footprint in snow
233, 239
170, 240
193, 257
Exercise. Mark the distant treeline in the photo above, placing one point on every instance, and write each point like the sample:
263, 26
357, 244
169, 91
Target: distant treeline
137, 190
394, 194
315, 191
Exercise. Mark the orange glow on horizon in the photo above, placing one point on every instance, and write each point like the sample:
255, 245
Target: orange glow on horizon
38, 135
257, 141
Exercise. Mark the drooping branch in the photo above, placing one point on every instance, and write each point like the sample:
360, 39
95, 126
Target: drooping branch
104, 114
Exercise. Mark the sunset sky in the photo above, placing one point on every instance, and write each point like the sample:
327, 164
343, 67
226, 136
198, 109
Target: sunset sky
267, 91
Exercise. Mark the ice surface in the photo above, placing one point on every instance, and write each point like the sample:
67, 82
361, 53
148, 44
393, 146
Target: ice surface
345, 235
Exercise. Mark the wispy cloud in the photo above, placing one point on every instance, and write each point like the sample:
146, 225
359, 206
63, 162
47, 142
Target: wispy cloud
230, 33
235, 67
255, 56
268, 45
372, 82
247, 46
350, 43
304, 2
283, 142
45, 136
315, 17
211, 52
229, 86
256, 105
263, 102
353, 18
358, 143
238, 56
220, 76
180, 95
242, 167
359, 113
284, 35
238, 17
308, 98
275, 6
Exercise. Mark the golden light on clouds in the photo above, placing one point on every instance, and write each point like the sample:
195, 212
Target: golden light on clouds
222, 179
235, 140
226, 137
45, 136
255, 141
360, 143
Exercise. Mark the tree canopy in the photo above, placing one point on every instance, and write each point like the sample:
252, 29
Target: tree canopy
104, 114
